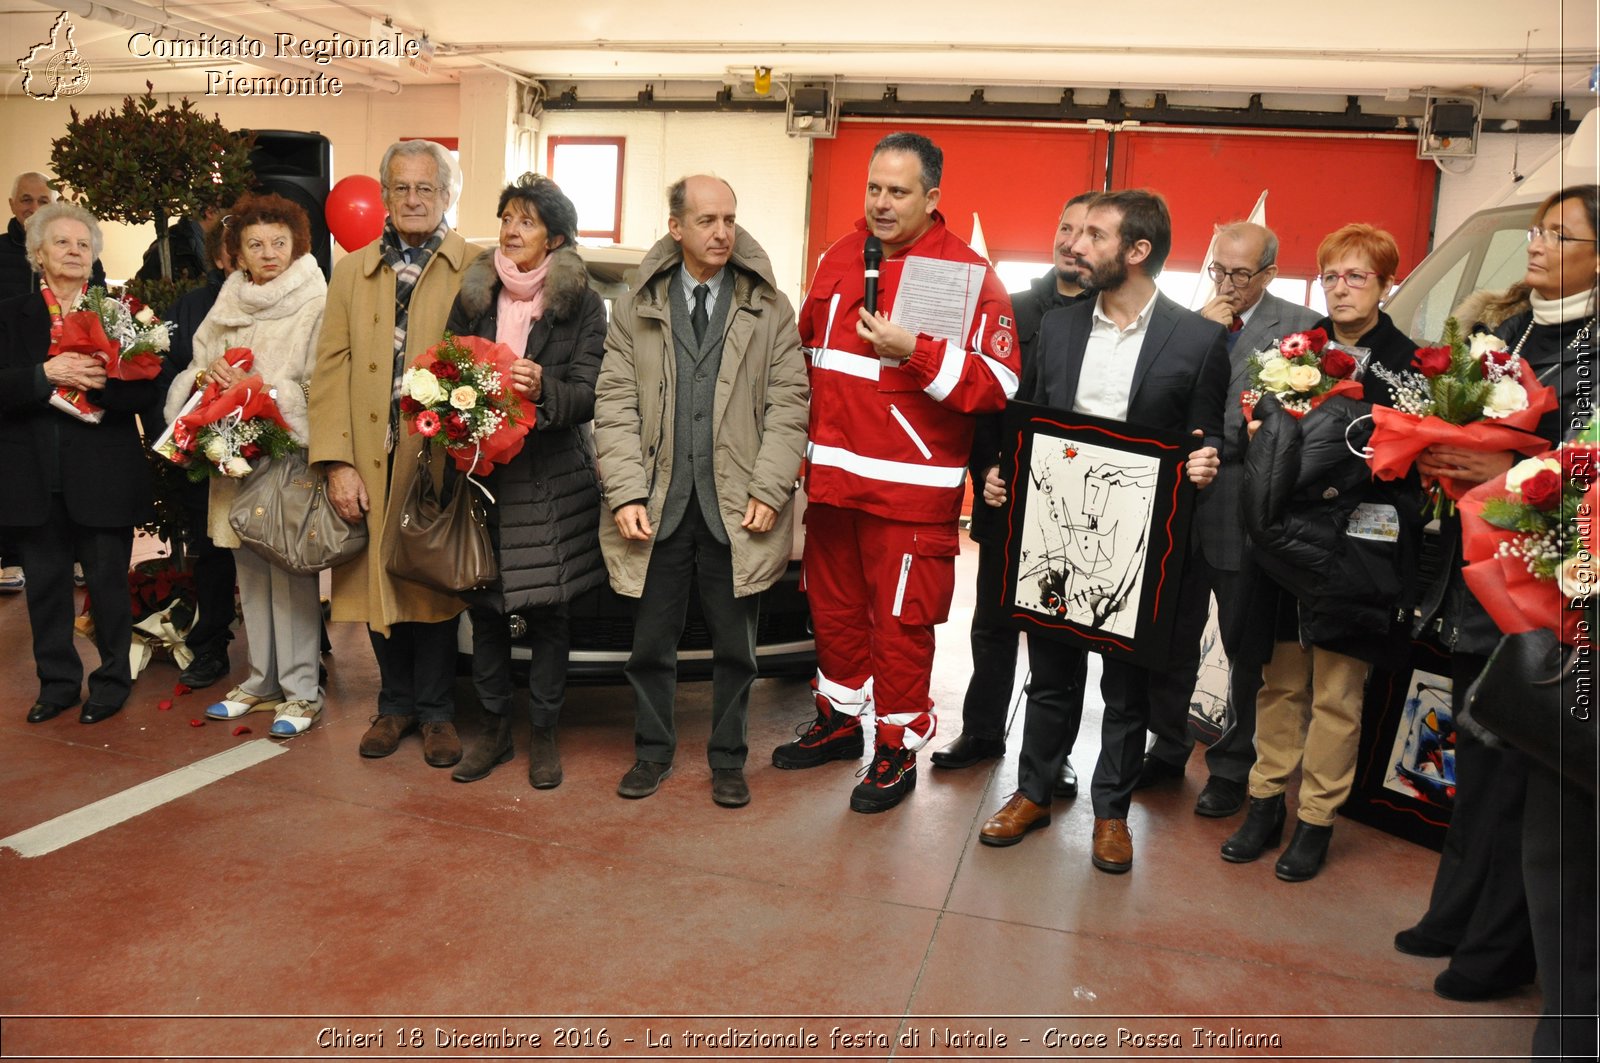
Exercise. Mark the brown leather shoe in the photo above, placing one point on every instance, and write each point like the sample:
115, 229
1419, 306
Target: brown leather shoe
1016, 817
1113, 845
441, 746
383, 737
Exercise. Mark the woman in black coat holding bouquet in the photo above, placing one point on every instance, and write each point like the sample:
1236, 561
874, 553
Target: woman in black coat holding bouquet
532, 294
1332, 553
72, 490
1521, 851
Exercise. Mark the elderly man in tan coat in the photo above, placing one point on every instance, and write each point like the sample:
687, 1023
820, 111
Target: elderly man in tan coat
388, 303
699, 423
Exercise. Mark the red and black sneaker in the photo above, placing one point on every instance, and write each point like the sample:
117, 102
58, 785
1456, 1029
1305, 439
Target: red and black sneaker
831, 736
888, 778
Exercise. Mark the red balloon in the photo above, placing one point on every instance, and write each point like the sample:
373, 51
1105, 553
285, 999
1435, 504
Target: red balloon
355, 211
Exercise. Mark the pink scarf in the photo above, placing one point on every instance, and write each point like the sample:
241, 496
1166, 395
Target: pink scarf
521, 300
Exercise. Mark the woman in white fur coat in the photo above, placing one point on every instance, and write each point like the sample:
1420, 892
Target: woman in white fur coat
273, 305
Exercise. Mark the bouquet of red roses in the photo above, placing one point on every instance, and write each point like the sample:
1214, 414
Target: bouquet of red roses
221, 430
1469, 393
123, 333
1302, 372
459, 392
1530, 542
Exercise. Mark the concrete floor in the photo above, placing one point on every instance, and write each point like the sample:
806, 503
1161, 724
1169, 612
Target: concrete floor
315, 905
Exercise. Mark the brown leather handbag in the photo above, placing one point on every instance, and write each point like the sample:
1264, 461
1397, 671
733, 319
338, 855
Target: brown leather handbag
440, 543
282, 513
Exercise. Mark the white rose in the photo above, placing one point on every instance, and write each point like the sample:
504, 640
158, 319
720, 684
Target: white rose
1485, 342
1304, 377
216, 449
464, 397
1506, 397
423, 386
145, 315
1275, 374
1578, 576
236, 467
1527, 468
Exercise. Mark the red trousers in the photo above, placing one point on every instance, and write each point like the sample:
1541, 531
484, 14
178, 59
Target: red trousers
876, 588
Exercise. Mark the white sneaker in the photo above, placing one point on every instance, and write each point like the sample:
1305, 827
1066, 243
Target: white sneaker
237, 703
11, 579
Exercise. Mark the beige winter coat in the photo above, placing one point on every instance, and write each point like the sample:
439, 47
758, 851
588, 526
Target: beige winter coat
759, 415
350, 395
278, 321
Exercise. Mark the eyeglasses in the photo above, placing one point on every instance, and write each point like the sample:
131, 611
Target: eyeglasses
1552, 237
1239, 277
1355, 278
422, 191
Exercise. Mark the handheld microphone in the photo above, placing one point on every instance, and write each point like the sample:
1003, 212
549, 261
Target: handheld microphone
872, 258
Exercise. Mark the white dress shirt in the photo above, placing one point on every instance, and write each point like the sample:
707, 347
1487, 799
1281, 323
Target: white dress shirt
1105, 382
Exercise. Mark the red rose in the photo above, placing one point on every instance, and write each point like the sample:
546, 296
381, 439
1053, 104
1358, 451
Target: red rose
455, 426
1431, 361
134, 305
1318, 340
1337, 364
409, 405
1577, 464
1542, 490
250, 450
1497, 360
446, 371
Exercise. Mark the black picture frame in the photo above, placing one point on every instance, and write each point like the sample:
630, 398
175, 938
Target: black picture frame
1115, 574
1405, 764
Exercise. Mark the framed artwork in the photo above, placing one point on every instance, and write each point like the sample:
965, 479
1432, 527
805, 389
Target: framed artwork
1405, 780
1097, 525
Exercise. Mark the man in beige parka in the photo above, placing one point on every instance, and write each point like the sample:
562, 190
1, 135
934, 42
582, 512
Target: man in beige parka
700, 424
387, 303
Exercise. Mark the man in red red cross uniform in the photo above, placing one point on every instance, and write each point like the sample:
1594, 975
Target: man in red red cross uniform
892, 416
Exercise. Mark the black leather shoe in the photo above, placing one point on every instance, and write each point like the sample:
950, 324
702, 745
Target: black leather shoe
206, 669
1307, 852
1453, 986
1220, 798
1067, 782
643, 779
728, 787
968, 750
1155, 771
42, 712
1262, 830
94, 713
1413, 942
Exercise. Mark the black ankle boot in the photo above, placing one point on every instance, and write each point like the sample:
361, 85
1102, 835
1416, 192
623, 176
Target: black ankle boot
493, 747
1262, 829
544, 759
1307, 850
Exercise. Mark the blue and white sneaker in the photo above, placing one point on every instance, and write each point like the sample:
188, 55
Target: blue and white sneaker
294, 717
12, 579
237, 703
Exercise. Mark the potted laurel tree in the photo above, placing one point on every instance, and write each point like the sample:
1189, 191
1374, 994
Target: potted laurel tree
149, 163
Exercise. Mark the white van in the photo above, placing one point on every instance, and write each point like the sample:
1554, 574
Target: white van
1490, 249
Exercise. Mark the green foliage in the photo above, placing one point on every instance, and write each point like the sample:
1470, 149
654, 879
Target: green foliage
169, 518
148, 163
158, 294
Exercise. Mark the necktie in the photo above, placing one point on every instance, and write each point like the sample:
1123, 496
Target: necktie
697, 317
1238, 323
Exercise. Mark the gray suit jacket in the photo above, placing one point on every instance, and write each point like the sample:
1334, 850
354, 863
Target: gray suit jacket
1217, 513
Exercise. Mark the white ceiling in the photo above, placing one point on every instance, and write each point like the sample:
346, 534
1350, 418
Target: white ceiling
1523, 53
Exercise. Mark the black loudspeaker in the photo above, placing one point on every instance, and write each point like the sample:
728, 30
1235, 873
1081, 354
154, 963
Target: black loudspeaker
298, 167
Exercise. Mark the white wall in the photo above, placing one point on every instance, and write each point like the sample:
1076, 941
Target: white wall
1500, 155
770, 173
361, 125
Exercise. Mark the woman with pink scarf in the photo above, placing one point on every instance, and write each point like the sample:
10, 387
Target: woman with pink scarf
533, 295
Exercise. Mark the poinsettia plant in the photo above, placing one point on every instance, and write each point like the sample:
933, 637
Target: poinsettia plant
1301, 370
458, 394
1470, 392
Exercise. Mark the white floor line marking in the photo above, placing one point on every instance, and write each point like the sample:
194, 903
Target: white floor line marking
80, 823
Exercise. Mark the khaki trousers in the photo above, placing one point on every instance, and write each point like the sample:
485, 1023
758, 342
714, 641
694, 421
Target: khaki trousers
1308, 716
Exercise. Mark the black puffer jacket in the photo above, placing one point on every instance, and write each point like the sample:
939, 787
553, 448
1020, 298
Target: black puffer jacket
547, 498
1322, 571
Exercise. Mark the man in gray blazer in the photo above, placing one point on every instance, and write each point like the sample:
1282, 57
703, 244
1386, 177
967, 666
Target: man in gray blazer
1244, 265
1133, 355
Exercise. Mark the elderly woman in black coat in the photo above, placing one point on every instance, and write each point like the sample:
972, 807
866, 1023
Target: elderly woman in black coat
533, 295
72, 491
